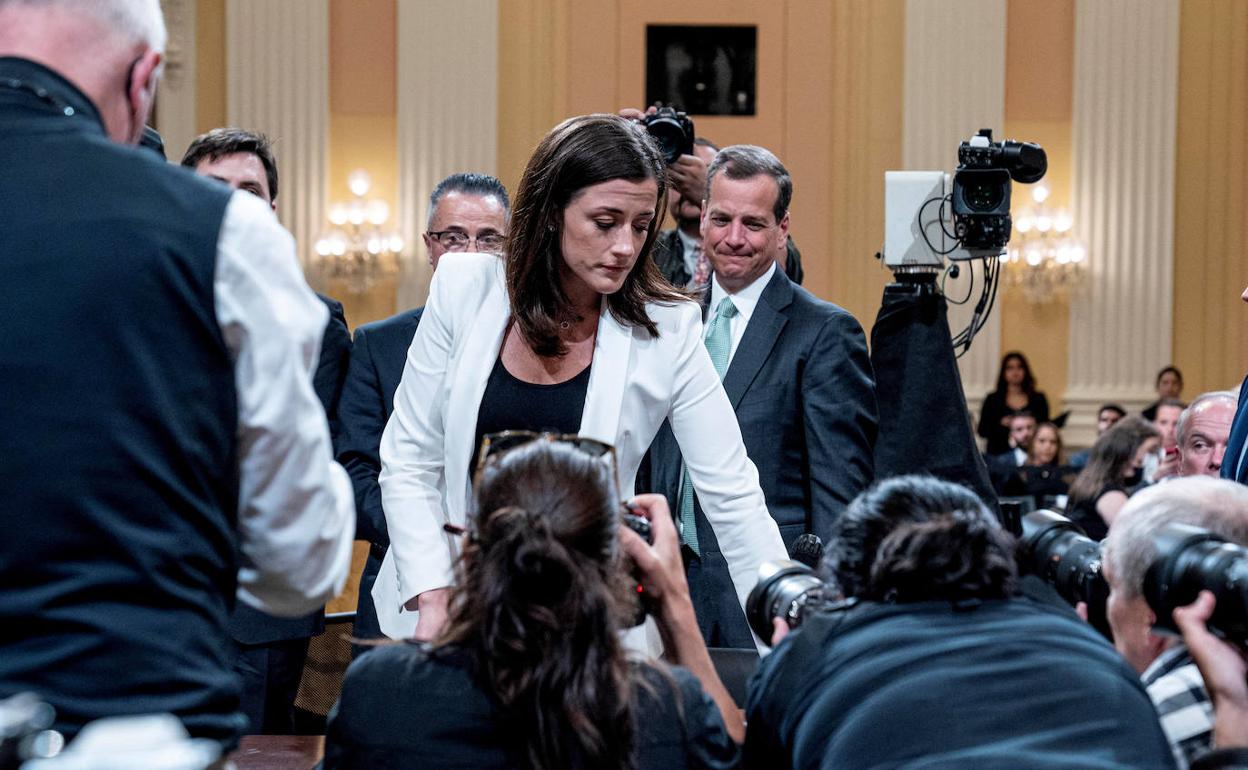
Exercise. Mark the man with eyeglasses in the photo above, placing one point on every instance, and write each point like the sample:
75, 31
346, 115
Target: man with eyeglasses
269, 652
467, 212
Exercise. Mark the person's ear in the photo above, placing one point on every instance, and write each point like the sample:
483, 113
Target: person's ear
141, 90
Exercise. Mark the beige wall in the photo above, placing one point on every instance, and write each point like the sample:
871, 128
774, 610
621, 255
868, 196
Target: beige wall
1211, 195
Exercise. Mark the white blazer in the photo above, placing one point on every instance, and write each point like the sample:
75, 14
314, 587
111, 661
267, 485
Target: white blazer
635, 382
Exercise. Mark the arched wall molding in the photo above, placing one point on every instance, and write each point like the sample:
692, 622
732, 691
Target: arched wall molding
447, 117
946, 101
277, 82
1124, 118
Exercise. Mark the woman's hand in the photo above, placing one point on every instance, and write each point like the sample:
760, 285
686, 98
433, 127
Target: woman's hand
432, 607
1223, 669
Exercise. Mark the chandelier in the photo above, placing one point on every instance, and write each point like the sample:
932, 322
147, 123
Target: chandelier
358, 249
1045, 259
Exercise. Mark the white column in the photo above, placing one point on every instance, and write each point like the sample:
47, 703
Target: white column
277, 82
447, 118
954, 86
1123, 132
175, 99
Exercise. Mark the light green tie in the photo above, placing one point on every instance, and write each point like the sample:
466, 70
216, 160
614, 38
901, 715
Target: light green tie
718, 343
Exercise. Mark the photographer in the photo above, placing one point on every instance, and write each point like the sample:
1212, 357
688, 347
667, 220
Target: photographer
529, 670
938, 661
1163, 661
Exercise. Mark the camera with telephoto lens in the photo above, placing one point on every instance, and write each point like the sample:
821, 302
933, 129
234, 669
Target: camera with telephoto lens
981, 187
1189, 560
672, 131
786, 590
1056, 550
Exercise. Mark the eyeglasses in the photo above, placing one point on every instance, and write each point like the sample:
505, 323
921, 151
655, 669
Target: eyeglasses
455, 240
495, 444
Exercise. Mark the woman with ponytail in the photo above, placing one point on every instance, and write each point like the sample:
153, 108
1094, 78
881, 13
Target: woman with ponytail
939, 661
529, 670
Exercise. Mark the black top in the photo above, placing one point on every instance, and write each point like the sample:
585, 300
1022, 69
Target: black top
510, 403
995, 409
118, 422
1085, 515
404, 707
1004, 683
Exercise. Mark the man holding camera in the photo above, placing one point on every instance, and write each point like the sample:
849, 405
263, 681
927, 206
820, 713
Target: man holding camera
934, 659
1162, 660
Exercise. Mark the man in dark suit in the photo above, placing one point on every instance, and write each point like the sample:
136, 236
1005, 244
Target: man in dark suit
270, 651
796, 371
1235, 465
467, 212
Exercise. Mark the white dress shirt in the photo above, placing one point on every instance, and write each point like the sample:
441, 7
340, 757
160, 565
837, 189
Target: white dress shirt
296, 509
745, 301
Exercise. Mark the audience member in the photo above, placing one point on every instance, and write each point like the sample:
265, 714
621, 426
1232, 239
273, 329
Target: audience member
529, 670
1203, 432
1164, 664
575, 331
796, 371
1114, 469
1044, 476
1164, 463
1016, 392
940, 663
467, 212
161, 446
1003, 469
1169, 386
269, 652
1106, 417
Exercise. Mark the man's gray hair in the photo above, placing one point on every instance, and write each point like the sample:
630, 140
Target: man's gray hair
1229, 397
135, 20
742, 161
1218, 505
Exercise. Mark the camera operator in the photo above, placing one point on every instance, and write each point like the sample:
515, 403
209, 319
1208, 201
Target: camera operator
529, 670
1225, 674
1163, 661
938, 661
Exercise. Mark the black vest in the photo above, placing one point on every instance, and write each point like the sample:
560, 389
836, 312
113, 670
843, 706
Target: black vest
118, 466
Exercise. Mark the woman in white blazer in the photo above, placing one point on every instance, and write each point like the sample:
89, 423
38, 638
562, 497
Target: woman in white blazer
576, 297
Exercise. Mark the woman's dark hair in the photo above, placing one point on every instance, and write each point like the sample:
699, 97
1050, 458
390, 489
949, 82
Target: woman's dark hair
1111, 457
1169, 370
1029, 382
578, 153
917, 538
537, 603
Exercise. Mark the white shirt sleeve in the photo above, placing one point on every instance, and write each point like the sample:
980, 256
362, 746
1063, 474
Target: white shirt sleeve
296, 512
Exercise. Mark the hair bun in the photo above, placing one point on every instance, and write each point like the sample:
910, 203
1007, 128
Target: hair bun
950, 557
542, 570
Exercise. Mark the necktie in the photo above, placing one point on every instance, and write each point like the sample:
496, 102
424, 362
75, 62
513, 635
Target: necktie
718, 344
701, 268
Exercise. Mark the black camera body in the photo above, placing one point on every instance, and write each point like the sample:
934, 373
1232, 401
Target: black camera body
672, 130
1055, 549
981, 188
1189, 560
640, 525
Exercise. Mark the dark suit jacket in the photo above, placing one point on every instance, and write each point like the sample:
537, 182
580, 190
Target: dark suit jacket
373, 374
669, 255
249, 625
1239, 437
802, 388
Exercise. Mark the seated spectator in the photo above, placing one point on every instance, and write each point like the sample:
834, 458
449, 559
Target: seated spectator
940, 664
1016, 392
1164, 463
1106, 417
1164, 664
1169, 385
1043, 475
1004, 467
529, 670
1204, 430
1114, 469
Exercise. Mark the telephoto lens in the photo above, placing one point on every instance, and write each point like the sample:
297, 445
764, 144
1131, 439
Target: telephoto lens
1189, 560
672, 131
1057, 551
786, 590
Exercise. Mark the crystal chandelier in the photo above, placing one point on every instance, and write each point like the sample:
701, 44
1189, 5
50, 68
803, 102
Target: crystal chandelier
1045, 259
358, 249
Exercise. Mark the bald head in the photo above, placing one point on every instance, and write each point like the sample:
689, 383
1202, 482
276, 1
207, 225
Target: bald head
110, 49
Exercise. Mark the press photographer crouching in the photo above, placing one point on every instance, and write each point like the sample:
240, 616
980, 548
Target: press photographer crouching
936, 661
1148, 565
529, 670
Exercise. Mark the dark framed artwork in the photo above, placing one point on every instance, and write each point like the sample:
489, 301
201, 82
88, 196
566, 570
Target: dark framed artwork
703, 70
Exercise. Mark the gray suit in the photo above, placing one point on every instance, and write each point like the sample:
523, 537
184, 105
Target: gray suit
801, 385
